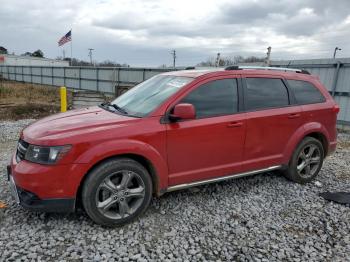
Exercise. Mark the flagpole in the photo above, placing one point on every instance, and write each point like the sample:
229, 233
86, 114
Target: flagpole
71, 48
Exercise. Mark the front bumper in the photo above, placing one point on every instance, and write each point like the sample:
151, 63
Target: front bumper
44, 187
32, 202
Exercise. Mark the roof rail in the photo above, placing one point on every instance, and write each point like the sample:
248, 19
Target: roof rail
302, 71
234, 67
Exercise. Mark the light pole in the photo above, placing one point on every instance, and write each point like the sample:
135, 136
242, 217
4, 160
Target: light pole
335, 51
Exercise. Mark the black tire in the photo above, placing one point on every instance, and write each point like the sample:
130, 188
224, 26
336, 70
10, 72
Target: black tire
293, 171
98, 190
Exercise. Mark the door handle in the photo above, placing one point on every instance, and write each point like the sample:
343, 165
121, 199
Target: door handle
235, 124
295, 115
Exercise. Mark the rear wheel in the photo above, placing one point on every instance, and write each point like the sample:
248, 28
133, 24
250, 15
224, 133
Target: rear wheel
116, 192
306, 161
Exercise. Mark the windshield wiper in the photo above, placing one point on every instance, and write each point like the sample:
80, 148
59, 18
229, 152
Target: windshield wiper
116, 107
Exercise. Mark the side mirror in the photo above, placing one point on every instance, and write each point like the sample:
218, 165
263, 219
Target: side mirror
183, 112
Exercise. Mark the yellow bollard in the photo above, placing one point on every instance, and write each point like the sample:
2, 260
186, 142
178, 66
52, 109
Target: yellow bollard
63, 91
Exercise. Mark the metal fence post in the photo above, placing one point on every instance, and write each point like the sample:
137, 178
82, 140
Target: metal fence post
79, 77
64, 76
117, 82
97, 76
335, 78
41, 75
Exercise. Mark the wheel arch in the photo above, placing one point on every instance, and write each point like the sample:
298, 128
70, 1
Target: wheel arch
313, 129
320, 137
146, 163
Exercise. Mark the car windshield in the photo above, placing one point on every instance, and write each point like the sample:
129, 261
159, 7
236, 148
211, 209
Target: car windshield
147, 96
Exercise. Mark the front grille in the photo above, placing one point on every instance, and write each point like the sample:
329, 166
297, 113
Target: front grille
22, 147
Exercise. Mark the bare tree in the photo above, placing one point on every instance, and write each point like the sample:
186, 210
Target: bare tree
38, 53
3, 50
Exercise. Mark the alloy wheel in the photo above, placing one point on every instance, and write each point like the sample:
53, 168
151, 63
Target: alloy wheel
309, 160
120, 194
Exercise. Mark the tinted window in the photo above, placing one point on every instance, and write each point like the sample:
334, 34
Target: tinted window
265, 93
305, 92
214, 98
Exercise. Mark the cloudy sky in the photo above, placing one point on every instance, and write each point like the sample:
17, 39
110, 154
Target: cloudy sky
143, 32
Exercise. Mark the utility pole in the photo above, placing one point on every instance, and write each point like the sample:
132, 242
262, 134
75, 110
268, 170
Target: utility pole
268, 55
335, 51
90, 55
173, 53
217, 62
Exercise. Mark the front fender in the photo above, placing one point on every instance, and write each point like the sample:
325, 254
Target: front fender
299, 135
119, 147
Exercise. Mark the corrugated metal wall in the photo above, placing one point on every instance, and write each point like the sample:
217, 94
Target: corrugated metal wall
333, 73
103, 79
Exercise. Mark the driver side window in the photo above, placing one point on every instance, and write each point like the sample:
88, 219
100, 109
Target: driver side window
215, 98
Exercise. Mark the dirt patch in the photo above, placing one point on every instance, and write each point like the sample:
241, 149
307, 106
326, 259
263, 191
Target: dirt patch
344, 144
29, 110
25, 100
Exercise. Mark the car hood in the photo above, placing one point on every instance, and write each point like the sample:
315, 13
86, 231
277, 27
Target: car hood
74, 123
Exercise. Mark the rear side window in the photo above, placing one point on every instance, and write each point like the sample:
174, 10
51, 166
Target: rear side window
215, 98
305, 92
262, 93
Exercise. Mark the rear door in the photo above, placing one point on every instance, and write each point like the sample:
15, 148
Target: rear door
272, 118
212, 144
315, 106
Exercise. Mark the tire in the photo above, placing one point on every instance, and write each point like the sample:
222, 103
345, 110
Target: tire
302, 162
116, 192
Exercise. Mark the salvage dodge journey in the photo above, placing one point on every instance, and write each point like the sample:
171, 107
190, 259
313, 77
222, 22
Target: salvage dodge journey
175, 130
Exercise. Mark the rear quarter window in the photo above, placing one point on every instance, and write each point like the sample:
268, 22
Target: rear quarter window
305, 92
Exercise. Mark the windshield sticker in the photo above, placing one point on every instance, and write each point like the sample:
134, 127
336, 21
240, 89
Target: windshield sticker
177, 82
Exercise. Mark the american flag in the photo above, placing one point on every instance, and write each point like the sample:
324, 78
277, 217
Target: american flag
65, 39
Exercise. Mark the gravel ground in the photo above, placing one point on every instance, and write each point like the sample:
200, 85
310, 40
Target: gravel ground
260, 218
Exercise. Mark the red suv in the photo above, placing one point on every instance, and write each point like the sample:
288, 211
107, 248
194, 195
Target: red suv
176, 130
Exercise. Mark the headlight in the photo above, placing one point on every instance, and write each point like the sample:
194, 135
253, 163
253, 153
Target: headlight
46, 154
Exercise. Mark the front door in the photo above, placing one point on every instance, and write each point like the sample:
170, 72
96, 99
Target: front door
212, 144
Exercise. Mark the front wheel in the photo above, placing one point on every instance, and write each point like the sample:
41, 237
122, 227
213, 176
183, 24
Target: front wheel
306, 161
116, 192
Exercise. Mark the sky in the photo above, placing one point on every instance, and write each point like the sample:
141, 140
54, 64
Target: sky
144, 32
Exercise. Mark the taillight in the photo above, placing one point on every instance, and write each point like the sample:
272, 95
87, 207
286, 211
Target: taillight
336, 109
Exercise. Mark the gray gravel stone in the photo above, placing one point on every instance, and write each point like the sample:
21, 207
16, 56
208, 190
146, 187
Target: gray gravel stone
260, 218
